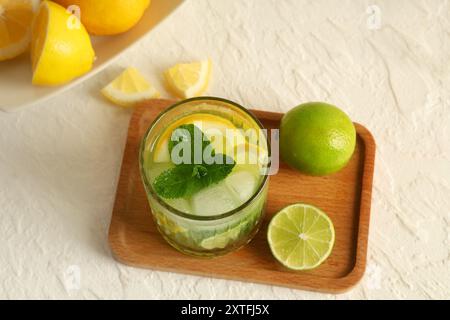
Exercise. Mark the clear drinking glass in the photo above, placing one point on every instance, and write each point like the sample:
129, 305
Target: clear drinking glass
224, 216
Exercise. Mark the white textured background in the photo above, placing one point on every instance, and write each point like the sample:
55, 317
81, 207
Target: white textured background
59, 161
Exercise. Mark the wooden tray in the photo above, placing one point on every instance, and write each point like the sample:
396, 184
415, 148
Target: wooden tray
345, 196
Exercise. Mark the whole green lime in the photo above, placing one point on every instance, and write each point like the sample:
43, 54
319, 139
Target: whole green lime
317, 138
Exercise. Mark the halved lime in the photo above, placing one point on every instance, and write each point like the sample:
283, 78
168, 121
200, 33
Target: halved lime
301, 236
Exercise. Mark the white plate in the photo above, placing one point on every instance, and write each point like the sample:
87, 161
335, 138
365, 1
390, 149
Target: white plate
15, 75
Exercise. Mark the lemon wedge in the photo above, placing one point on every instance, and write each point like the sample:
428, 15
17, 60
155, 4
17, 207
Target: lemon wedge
60, 51
129, 88
189, 80
16, 18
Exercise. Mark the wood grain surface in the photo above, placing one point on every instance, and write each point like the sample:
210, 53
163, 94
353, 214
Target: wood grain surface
344, 196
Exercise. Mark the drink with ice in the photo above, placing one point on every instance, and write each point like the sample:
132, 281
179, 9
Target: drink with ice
209, 207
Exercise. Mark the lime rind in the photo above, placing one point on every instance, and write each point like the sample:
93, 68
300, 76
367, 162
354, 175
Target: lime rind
286, 244
220, 240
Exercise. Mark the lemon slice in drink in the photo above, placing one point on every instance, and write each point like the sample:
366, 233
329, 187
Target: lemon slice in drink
188, 80
248, 153
168, 225
16, 17
213, 126
301, 237
129, 88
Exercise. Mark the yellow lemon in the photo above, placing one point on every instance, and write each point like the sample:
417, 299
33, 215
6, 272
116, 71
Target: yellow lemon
108, 17
188, 80
129, 88
16, 18
61, 50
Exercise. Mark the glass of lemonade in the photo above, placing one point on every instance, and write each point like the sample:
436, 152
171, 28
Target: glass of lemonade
224, 213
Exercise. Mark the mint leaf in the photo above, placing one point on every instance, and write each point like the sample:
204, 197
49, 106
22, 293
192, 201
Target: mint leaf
172, 183
216, 172
186, 179
199, 171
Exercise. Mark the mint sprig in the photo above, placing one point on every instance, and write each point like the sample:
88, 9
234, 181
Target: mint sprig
186, 179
